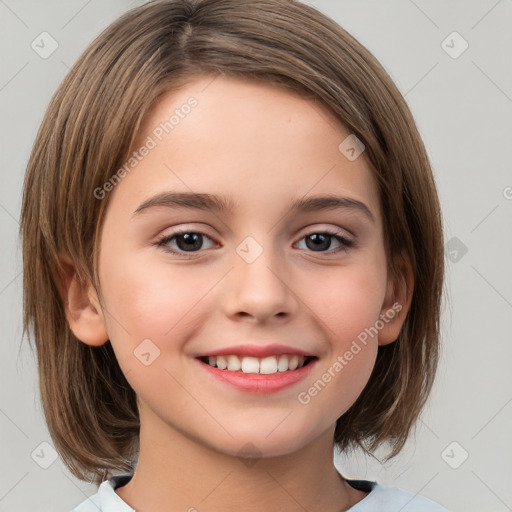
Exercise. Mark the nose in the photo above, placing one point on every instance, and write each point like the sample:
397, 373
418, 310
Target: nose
260, 290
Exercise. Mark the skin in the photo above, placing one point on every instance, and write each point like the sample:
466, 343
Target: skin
263, 147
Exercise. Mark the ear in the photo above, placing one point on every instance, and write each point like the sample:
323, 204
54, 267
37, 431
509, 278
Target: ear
397, 301
81, 306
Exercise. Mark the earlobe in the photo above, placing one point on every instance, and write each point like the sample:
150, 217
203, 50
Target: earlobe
82, 307
396, 303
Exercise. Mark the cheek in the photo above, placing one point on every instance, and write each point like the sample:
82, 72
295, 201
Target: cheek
348, 309
156, 302
347, 300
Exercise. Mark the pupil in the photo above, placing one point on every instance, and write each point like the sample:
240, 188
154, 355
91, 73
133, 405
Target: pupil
192, 239
320, 241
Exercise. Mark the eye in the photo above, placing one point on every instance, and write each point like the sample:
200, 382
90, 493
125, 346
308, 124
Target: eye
185, 241
321, 241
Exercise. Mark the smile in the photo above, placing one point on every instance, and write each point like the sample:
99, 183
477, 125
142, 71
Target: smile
257, 375
264, 366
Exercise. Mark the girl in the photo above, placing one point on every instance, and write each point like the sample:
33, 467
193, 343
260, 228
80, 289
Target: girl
232, 262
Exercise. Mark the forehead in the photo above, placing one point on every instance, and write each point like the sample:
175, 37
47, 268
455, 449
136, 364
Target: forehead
250, 141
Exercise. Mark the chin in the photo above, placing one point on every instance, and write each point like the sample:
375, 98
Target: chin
266, 442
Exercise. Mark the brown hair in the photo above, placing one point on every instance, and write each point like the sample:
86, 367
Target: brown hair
88, 133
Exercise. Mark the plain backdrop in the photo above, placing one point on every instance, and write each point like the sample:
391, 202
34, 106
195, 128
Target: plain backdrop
451, 60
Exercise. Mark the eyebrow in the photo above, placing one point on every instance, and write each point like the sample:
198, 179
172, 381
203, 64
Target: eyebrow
203, 201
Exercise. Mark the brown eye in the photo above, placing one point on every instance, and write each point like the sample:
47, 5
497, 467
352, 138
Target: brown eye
189, 241
183, 242
321, 242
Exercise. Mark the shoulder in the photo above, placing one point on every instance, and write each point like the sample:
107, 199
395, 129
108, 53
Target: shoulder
387, 498
106, 499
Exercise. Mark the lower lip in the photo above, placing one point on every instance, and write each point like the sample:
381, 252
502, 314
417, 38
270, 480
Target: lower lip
258, 383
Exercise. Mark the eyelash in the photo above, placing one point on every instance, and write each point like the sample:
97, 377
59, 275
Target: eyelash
165, 239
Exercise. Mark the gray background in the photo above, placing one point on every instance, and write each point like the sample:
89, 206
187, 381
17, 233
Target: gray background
463, 106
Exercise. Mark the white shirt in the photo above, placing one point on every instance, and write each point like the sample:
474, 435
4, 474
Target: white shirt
381, 498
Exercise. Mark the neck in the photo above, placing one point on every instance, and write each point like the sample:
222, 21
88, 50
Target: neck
175, 472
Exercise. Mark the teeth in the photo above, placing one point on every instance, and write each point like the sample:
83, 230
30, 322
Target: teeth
265, 366
282, 364
250, 365
294, 362
234, 363
268, 365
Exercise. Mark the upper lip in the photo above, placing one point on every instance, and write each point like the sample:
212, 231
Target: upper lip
258, 351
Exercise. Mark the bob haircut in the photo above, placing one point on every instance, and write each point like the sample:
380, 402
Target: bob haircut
88, 133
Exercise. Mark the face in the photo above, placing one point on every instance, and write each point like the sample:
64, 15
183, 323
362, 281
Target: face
261, 271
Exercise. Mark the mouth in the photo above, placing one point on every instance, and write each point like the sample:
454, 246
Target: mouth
253, 365
258, 376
